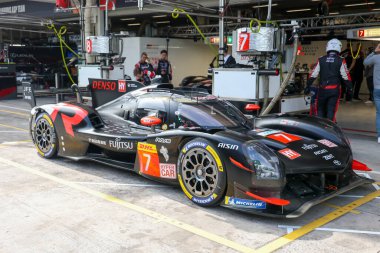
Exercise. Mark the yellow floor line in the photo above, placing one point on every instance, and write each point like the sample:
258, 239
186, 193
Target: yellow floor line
337, 207
286, 239
21, 129
17, 113
157, 216
3, 145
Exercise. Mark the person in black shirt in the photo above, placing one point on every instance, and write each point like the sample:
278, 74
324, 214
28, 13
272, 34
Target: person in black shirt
357, 73
144, 70
332, 69
164, 68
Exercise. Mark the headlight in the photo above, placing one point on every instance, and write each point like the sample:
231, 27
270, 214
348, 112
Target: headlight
263, 161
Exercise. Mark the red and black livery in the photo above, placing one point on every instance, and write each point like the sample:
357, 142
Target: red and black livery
275, 165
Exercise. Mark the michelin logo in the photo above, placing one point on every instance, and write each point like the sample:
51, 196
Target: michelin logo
256, 204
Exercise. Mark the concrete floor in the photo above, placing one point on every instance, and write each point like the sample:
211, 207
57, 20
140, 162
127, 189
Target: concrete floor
65, 206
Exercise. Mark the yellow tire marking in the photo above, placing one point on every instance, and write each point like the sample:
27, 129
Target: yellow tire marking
216, 157
17, 113
157, 216
21, 129
184, 188
286, 239
337, 207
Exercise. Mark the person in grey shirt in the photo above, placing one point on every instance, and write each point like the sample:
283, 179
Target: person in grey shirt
368, 73
373, 59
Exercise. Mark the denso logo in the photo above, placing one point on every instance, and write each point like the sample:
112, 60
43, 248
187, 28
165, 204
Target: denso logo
228, 146
103, 85
162, 140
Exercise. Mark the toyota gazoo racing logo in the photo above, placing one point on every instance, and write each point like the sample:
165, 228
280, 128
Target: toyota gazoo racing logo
162, 140
118, 144
228, 146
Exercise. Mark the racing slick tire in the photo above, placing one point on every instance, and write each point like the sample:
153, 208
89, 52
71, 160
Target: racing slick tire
45, 137
201, 173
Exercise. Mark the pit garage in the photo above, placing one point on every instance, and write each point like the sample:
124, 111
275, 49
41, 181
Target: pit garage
100, 155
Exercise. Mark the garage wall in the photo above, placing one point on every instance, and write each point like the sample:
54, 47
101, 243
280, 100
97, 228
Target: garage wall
318, 48
186, 56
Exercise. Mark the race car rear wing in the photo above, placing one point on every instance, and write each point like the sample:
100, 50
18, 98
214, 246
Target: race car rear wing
29, 94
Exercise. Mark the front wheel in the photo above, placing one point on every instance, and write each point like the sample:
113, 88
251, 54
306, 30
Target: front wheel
201, 173
45, 137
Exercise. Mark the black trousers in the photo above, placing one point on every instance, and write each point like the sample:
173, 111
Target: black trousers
370, 87
357, 83
328, 101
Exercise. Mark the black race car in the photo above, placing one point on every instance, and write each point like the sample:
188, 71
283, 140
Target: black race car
278, 165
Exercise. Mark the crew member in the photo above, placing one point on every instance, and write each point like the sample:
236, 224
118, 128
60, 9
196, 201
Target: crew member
228, 59
331, 68
143, 71
164, 68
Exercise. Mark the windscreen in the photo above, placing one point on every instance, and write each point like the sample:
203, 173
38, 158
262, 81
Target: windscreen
209, 114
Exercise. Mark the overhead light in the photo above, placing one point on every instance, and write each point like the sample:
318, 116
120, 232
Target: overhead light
377, 9
350, 5
162, 22
315, 0
134, 24
159, 16
125, 19
334, 13
298, 10
263, 6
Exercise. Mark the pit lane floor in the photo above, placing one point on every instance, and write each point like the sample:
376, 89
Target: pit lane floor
65, 206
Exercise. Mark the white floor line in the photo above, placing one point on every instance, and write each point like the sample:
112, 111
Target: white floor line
119, 184
374, 172
12, 132
290, 229
353, 196
16, 108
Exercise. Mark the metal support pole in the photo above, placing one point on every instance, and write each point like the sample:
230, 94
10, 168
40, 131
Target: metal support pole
221, 33
57, 76
269, 16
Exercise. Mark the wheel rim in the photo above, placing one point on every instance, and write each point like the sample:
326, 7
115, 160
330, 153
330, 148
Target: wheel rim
44, 135
200, 172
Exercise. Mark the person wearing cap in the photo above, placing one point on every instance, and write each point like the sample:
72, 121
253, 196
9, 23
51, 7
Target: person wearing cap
332, 69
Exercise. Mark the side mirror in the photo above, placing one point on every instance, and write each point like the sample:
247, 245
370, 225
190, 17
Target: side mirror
252, 107
150, 121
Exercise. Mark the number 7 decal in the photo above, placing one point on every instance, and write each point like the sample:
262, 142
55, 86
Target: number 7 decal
243, 43
148, 159
147, 162
284, 137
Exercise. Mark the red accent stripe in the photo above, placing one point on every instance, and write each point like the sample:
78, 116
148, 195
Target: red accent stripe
7, 91
356, 165
273, 201
330, 87
241, 166
347, 72
359, 130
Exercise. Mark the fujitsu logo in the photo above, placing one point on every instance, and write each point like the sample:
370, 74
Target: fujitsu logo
228, 146
118, 144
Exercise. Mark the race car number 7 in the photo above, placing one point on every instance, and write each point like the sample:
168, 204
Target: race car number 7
243, 42
147, 161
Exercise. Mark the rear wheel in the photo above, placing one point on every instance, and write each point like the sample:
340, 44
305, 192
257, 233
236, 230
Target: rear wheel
45, 137
201, 173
